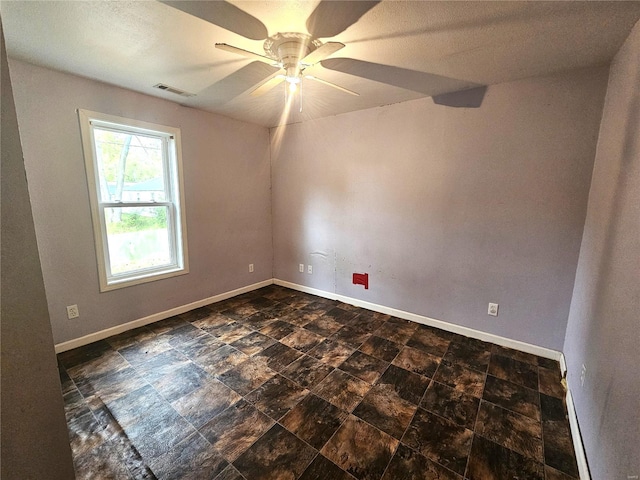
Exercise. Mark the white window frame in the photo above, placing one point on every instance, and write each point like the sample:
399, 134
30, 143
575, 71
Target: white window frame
173, 185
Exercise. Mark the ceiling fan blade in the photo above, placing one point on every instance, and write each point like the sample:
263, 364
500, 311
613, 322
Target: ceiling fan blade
237, 83
264, 87
225, 15
321, 53
338, 87
246, 53
471, 98
332, 17
426, 83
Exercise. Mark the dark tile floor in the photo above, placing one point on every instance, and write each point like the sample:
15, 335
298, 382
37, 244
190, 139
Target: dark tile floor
277, 384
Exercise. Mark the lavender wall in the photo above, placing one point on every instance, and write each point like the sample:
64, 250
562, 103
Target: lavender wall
603, 331
446, 209
35, 441
227, 188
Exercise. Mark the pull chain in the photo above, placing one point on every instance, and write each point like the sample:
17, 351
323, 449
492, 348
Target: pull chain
300, 98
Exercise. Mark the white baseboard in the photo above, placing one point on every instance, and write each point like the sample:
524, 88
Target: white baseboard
563, 365
578, 448
102, 334
450, 327
432, 322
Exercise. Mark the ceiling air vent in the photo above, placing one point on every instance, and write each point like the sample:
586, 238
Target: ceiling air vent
177, 91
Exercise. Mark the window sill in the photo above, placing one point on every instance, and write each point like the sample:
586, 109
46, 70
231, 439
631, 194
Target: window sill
115, 284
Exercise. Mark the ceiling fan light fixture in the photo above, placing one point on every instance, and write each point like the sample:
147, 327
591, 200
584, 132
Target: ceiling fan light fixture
292, 81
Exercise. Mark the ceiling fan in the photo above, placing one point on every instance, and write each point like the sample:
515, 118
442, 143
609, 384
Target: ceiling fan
292, 53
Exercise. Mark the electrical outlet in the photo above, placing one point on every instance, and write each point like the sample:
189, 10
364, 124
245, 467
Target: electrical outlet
583, 375
251, 268
493, 309
310, 269
72, 311
301, 268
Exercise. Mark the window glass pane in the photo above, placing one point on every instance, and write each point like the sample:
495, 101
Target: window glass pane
130, 167
138, 238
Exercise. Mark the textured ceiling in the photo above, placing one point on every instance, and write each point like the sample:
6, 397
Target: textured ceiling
395, 50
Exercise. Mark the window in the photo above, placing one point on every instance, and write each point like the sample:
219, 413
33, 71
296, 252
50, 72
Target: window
134, 174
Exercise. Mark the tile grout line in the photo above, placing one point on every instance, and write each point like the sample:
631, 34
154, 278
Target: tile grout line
473, 436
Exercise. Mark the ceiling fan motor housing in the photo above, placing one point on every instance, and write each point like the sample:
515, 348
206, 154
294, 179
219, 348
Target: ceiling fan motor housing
289, 48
